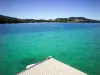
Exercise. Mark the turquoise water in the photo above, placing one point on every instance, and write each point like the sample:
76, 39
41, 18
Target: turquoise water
77, 45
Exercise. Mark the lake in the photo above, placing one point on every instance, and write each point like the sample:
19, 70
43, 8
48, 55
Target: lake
75, 44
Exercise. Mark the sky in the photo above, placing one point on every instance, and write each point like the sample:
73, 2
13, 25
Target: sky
46, 9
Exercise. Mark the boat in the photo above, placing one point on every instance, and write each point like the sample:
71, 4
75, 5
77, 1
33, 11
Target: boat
51, 66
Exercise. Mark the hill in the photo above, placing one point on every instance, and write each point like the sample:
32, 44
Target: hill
7, 19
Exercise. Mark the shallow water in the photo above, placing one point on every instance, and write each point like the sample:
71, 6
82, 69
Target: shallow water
77, 45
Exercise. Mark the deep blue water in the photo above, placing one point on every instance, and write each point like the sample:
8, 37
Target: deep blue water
40, 27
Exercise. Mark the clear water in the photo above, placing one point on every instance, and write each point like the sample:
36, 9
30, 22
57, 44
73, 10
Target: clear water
77, 45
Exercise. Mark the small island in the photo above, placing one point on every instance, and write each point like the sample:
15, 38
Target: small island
7, 19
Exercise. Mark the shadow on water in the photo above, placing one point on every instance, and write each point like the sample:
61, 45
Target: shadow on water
27, 61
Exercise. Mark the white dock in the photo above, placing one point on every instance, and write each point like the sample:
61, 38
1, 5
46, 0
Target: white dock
51, 66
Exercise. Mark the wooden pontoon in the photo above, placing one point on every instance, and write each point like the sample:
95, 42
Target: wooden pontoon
51, 66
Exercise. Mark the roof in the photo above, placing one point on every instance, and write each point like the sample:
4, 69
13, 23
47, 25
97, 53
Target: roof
51, 67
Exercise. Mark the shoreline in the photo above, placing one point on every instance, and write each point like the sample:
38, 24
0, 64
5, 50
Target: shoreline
52, 23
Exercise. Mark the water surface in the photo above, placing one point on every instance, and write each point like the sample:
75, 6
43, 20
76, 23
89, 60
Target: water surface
77, 45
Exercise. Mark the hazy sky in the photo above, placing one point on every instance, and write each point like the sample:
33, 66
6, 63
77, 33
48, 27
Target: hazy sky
50, 8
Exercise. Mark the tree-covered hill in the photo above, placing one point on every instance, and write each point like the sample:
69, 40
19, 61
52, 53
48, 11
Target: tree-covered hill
7, 19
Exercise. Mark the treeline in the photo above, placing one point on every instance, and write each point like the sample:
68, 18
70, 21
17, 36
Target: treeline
77, 20
7, 19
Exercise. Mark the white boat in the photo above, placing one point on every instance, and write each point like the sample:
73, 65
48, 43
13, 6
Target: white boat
51, 66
